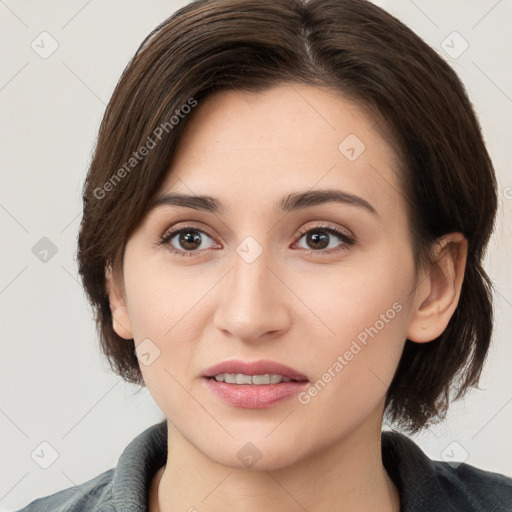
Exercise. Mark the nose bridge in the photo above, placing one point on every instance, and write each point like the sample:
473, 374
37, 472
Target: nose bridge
251, 303
251, 273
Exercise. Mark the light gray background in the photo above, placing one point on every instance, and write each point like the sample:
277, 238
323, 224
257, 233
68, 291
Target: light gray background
54, 384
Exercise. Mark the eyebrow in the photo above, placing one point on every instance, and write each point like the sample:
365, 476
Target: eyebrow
292, 202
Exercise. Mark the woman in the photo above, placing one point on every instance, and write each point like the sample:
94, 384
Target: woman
283, 232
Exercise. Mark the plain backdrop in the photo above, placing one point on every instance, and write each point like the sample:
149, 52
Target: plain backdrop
55, 386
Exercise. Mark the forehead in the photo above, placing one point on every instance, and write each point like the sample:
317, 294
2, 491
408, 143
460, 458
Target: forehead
244, 146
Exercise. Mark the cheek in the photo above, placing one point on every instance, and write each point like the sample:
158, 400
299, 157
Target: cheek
167, 313
357, 296
365, 314
163, 299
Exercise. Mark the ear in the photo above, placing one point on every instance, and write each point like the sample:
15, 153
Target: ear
120, 317
438, 291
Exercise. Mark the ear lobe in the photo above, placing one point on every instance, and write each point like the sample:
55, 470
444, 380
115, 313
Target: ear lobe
438, 293
120, 317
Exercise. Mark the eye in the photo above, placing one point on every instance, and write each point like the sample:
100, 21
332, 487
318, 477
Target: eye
186, 241
320, 238
190, 240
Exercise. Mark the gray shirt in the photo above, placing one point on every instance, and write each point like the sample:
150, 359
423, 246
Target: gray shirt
424, 485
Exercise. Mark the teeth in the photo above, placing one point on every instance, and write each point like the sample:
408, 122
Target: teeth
258, 380
243, 379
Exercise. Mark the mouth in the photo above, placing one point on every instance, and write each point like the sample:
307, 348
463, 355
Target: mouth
253, 380
253, 385
261, 372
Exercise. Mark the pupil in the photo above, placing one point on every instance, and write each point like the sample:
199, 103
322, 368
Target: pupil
315, 239
188, 238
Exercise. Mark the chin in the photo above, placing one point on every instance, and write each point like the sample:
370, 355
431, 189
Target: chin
255, 455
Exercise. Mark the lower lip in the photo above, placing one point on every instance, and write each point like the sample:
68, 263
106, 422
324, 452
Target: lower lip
250, 396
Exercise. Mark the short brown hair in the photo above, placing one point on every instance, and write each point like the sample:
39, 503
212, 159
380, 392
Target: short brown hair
371, 57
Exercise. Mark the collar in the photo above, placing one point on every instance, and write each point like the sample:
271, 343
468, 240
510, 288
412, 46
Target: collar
137, 465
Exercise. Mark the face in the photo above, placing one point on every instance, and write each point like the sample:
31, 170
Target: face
324, 287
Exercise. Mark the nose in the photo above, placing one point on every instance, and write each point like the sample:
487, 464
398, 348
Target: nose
254, 303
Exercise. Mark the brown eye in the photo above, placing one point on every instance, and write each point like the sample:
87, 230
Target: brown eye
189, 240
320, 238
317, 241
186, 240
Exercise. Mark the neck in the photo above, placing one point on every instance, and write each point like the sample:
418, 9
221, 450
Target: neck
348, 476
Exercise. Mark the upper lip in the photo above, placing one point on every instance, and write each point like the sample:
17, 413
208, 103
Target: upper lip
260, 367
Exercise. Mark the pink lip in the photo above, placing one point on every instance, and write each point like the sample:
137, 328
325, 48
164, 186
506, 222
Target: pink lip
250, 396
261, 367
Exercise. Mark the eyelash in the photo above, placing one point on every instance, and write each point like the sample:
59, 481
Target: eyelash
344, 237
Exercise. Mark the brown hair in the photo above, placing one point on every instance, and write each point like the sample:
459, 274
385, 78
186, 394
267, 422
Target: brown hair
368, 55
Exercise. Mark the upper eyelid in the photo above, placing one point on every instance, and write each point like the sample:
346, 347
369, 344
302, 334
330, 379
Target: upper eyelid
326, 226
173, 231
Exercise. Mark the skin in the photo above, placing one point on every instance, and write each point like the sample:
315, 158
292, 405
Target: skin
249, 150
